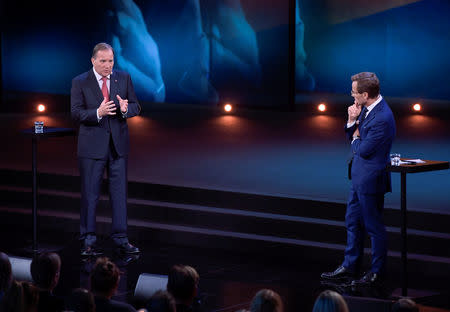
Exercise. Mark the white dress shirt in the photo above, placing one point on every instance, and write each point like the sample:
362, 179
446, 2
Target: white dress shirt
100, 84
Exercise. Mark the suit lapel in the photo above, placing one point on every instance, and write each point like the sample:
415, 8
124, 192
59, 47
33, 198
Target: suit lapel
93, 84
373, 112
114, 89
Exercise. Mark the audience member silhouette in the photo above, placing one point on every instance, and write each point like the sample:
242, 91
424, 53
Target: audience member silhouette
330, 301
266, 300
80, 300
105, 278
31, 298
20, 297
183, 285
405, 305
45, 271
161, 301
5, 274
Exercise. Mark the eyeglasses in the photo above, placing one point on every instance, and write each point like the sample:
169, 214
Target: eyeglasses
354, 93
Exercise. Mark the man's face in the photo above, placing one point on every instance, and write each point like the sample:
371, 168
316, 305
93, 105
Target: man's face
103, 62
360, 98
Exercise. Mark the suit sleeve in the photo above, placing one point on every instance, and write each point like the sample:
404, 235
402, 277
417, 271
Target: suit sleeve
134, 108
78, 107
350, 131
376, 137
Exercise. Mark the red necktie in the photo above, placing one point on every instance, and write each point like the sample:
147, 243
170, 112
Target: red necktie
105, 89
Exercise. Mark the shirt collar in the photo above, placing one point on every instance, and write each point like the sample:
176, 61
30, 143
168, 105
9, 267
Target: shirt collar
98, 76
372, 106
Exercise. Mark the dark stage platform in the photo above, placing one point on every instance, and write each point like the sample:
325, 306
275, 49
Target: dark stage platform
254, 200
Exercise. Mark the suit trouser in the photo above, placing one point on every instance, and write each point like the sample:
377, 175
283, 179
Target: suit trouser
91, 173
365, 213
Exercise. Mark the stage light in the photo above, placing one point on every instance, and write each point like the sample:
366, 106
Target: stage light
417, 107
321, 107
228, 108
41, 108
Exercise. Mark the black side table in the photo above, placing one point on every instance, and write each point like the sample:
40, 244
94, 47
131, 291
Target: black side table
429, 165
48, 132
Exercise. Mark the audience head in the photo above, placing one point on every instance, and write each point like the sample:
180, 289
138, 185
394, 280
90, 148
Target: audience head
405, 305
266, 300
30, 296
13, 298
5, 272
45, 270
183, 283
105, 278
330, 301
80, 300
162, 301
20, 297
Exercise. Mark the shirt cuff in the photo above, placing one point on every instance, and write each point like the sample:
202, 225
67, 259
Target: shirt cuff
98, 117
350, 124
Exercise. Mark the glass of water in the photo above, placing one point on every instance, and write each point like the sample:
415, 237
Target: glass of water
38, 127
395, 159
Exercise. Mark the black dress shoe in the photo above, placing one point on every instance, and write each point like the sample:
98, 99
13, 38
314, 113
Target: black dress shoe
127, 248
90, 251
369, 279
340, 274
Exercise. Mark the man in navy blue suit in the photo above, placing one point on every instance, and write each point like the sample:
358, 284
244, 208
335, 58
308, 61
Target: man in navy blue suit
102, 101
371, 130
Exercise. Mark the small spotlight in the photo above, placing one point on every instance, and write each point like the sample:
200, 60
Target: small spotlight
417, 107
228, 108
41, 108
322, 107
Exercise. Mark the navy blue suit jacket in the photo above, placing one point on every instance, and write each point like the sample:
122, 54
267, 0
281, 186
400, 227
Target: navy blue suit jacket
94, 136
371, 152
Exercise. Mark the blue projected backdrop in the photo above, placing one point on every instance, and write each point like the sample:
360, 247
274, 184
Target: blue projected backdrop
209, 51
405, 42
179, 51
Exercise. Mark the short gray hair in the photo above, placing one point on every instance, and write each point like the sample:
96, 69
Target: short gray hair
101, 46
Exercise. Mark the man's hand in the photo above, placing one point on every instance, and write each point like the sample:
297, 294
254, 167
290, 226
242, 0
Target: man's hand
353, 112
123, 104
106, 108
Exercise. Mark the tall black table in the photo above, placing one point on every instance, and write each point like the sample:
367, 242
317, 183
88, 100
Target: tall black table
48, 132
428, 165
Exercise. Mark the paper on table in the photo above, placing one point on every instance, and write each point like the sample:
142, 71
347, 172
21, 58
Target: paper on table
412, 161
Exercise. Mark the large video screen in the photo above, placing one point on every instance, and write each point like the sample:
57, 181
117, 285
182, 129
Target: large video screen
178, 51
405, 42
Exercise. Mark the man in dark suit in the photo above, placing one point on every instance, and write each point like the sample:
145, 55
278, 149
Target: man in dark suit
102, 101
371, 130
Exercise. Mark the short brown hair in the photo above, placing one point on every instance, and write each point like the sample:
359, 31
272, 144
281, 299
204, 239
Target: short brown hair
182, 282
367, 82
101, 46
266, 300
104, 276
329, 300
162, 300
44, 269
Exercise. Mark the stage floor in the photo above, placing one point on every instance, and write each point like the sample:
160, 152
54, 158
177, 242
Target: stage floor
289, 155
271, 153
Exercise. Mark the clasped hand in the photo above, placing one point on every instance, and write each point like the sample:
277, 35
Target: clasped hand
109, 108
